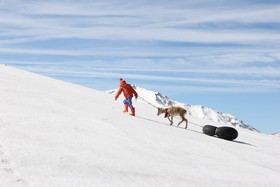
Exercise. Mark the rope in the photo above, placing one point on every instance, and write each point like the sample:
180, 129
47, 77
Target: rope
196, 124
157, 107
147, 101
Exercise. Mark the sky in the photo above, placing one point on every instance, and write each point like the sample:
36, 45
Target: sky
221, 54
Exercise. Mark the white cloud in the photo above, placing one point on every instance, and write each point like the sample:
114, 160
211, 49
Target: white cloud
105, 73
127, 22
201, 38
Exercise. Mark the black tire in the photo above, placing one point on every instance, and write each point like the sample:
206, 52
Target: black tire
209, 130
227, 133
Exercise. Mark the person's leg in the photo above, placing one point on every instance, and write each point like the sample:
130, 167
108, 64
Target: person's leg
125, 102
132, 111
129, 102
131, 106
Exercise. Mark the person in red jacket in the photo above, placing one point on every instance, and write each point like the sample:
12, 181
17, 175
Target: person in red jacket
128, 93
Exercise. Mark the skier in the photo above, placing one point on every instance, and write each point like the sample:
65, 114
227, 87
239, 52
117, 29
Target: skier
128, 93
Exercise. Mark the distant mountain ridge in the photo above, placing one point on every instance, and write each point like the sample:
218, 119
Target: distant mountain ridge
159, 100
276, 134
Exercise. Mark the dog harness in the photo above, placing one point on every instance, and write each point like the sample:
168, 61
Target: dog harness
166, 113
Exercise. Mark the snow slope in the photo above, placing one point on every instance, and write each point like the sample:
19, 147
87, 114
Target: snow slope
54, 133
159, 100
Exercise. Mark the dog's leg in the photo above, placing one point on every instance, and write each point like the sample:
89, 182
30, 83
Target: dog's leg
171, 120
186, 123
180, 122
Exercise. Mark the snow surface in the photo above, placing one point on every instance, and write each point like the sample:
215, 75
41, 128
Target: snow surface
54, 133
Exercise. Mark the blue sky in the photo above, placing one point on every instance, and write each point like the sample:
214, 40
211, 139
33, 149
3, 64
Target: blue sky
221, 54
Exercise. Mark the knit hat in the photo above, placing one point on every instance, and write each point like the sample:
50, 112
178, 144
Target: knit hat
122, 81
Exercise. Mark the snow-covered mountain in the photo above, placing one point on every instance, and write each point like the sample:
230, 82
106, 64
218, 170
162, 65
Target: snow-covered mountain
276, 134
159, 100
54, 133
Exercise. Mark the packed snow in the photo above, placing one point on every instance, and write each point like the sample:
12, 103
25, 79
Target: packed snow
54, 133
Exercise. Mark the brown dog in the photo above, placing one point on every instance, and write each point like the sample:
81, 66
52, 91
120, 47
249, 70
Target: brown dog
174, 111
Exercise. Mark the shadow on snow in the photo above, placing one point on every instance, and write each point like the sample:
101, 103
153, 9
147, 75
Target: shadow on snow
155, 121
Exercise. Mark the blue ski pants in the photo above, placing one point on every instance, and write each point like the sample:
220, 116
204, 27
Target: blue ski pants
128, 101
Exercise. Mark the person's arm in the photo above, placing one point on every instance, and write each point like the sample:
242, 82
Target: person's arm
135, 94
118, 93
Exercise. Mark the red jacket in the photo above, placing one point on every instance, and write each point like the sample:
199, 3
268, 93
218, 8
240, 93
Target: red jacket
127, 90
